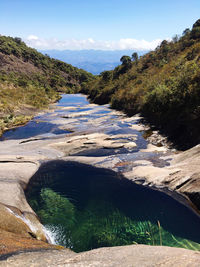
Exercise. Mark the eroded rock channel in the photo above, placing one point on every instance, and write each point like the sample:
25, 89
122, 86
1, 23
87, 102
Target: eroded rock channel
94, 161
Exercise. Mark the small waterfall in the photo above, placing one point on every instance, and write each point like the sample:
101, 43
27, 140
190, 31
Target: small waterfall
50, 235
55, 234
47, 232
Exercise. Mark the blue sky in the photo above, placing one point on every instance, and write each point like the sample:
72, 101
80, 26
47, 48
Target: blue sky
79, 23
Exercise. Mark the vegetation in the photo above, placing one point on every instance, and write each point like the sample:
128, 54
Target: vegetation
30, 79
163, 85
99, 224
56, 208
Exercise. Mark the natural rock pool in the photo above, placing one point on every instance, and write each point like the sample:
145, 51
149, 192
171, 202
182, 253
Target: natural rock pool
86, 207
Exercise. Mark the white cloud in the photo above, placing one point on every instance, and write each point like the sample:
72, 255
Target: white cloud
32, 37
74, 44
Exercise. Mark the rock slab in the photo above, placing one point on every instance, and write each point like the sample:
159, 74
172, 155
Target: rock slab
126, 256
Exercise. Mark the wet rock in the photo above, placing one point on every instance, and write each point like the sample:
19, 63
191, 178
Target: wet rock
25, 224
10, 223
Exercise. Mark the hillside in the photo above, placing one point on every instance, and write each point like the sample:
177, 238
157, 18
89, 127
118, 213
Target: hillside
163, 85
30, 80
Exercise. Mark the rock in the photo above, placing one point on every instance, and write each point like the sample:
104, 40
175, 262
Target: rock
122, 136
13, 175
110, 144
10, 223
187, 179
130, 145
26, 224
138, 127
133, 255
153, 148
80, 143
191, 155
151, 175
142, 162
12, 243
183, 174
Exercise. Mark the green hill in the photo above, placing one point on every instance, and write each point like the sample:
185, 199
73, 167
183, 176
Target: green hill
163, 85
30, 80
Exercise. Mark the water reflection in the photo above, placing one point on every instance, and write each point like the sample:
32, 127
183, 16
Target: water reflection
31, 129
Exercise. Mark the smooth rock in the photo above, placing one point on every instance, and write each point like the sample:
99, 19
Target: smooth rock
20, 159
126, 256
153, 148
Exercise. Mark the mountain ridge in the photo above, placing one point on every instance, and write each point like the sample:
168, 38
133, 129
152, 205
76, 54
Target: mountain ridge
163, 85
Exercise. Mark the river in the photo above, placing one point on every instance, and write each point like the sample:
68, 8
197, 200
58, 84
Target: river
82, 196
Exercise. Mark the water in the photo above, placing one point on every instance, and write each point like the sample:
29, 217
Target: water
32, 129
85, 207
72, 100
48, 124
25, 220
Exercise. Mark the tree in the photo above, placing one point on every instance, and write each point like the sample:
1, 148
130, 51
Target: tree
135, 57
164, 43
107, 75
126, 60
18, 40
196, 24
186, 31
195, 33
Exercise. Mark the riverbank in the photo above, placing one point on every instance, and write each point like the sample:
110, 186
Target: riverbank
94, 135
18, 115
11, 122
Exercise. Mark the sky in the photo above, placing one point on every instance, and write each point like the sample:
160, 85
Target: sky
96, 24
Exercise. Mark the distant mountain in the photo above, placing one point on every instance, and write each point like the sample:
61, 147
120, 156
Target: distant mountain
94, 61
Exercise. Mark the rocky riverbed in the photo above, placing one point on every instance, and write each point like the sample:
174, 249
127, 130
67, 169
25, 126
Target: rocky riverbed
75, 130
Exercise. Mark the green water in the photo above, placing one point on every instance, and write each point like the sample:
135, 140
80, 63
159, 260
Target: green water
90, 208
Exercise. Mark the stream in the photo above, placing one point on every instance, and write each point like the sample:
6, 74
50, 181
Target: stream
85, 207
